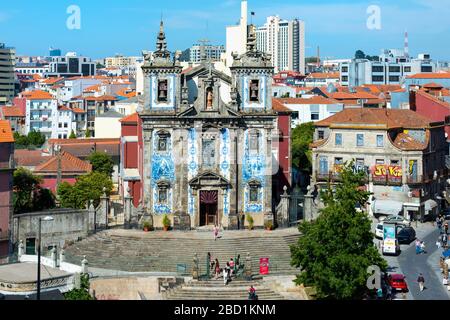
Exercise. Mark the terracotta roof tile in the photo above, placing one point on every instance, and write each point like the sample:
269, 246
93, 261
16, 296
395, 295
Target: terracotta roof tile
321, 75
443, 75
313, 100
11, 112
69, 164
37, 95
278, 106
134, 118
433, 85
29, 158
6, 134
433, 98
388, 118
78, 110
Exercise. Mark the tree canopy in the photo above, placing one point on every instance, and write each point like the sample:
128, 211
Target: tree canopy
72, 135
101, 162
359, 54
335, 251
302, 137
33, 139
87, 187
28, 196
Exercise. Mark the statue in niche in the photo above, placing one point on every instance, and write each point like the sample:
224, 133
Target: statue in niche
209, 98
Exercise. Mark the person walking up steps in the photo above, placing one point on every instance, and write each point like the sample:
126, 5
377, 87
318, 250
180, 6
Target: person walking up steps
217, 271
216, 232
421, 281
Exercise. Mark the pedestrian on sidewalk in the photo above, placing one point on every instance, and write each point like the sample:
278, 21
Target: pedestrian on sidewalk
444, 240
446, 228
421, 281
418, 243
438, 243
422, 247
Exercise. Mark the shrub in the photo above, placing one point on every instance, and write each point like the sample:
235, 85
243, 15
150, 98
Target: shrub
166, 221
250, 222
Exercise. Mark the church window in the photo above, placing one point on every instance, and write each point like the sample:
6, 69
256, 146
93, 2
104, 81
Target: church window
254, 188
162, 91
254, 142
162, 195
163, 141
254, 192
209, 153
254, 90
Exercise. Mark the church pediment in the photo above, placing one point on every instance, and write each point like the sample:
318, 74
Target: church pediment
204, 71
209, 179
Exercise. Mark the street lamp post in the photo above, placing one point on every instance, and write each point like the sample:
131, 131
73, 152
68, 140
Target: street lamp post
38, 294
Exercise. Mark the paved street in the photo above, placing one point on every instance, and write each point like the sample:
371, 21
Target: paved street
411, 265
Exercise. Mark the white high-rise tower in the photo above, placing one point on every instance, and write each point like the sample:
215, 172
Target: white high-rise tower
285, 41
237, 36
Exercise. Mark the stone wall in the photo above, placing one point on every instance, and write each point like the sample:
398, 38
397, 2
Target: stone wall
68, 226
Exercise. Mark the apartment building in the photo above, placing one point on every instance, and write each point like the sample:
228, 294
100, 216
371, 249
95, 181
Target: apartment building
285, 41
389, 70
198, 52
120, 61
32, 68
71, 65
316, 108
400, 151
7, 75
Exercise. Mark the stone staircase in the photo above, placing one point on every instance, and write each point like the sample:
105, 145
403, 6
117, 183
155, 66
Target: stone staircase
216, 290
162, 253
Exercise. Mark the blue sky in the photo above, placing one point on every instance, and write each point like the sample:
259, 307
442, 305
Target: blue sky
127, 27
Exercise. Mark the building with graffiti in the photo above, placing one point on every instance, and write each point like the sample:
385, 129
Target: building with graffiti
401, 151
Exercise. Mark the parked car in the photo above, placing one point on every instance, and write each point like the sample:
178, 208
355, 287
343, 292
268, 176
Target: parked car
406, 235
379, 231
398, 282
397, 219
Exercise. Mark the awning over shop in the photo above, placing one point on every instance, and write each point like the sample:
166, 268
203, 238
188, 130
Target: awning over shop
430, 205
387, 207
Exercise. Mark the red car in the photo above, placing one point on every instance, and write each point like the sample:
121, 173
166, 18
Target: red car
398, 282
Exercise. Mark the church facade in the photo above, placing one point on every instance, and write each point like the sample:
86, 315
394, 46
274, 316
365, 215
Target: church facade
207, 139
